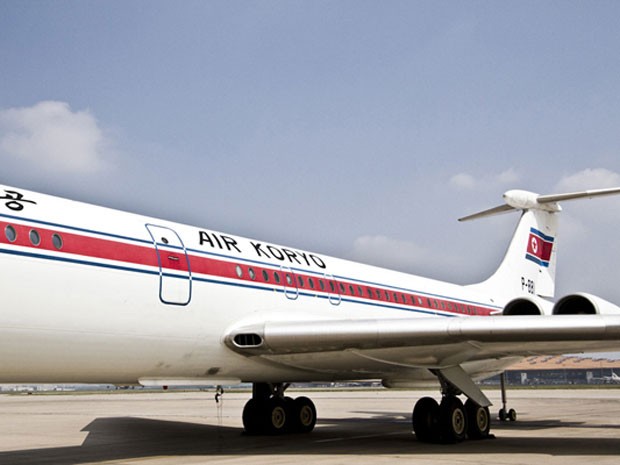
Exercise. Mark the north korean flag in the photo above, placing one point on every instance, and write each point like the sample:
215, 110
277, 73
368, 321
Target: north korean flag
539, 247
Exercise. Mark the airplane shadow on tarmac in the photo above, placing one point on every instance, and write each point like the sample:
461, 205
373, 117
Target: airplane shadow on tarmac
127, 438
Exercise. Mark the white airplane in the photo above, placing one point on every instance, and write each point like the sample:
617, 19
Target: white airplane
614, 378
94, 295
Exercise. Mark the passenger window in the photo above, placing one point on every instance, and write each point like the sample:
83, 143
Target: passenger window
289, 280
10, 233
252, 274
311, 282
276, 277
301, 281
57, 241
321, 284
35, 238
239, 271
265, 276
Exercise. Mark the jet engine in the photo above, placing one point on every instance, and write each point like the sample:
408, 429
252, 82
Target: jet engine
584, 304
522, 306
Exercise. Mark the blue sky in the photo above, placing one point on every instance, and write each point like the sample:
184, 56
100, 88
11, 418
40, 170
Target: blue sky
357, 129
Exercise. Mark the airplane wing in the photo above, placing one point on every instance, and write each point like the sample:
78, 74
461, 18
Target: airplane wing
499, 335
398, 349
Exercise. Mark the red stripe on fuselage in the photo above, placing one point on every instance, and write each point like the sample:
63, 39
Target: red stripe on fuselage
91, 247
85, 246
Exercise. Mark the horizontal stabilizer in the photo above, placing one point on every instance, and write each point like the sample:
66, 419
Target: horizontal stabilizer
524, 200
489, 212
577, 195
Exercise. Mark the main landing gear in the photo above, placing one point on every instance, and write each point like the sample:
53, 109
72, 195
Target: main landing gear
450, 421
270, 412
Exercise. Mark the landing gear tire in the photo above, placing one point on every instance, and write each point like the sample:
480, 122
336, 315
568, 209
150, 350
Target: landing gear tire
478, 420
276, 415
452, 420
425, 420
304, 415
252, 416
512, 415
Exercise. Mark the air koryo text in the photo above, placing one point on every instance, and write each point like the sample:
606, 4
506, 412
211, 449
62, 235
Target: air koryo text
229, 244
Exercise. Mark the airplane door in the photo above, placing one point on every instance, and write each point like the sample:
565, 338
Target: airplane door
291, 291
333, 294
175, 280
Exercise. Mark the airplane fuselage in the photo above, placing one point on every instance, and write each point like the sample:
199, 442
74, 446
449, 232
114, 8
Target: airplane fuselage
146, 300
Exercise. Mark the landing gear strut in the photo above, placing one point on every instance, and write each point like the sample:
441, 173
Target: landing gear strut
505, 414
270, 412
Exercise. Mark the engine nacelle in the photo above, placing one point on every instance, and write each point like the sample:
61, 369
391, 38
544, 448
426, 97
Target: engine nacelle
522, 306
584, 304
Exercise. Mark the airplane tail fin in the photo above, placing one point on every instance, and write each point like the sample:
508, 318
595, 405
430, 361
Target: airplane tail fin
529, 266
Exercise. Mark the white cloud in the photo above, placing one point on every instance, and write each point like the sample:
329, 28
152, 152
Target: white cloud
50, 136
508, 177
463, 181
597, 178
599, 214
587, 235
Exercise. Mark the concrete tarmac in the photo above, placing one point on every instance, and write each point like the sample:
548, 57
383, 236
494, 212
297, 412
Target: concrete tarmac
554, 427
